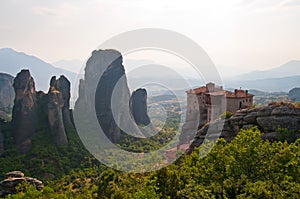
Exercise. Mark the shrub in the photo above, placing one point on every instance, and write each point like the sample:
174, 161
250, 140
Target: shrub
226, 115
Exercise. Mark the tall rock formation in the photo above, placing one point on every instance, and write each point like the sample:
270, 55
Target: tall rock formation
138, 103
63, 85
105, 90
32, 108
55, 117
113, 74
58, 114
7, 93
24, 116
268, 119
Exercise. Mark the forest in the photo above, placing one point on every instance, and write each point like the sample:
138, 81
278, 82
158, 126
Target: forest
247, 167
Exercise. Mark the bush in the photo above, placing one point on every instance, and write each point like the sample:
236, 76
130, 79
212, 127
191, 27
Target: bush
226, 115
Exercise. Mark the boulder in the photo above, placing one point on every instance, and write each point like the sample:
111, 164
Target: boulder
14, 174
14, 178
24, 116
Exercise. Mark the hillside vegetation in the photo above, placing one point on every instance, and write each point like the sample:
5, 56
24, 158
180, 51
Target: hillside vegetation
248, 167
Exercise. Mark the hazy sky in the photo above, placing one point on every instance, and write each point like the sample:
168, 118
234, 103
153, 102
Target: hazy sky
243, 34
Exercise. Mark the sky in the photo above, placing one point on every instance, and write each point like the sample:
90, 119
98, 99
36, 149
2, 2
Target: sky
238, 35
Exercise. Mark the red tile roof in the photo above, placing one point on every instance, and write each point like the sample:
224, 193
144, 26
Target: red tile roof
238, 94
197, 90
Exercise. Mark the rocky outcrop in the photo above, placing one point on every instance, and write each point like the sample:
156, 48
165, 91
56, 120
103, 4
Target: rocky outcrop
55, 116
31, 108
24, 118
105, 77
59, 115
63, 85
7, 93
294, 94
13, 179
112, 80
268, 119
138, 103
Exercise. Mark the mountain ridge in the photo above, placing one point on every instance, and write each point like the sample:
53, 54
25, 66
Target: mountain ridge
12, 61
291, 68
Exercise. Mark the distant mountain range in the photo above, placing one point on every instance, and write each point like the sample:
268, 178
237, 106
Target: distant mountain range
292, 68
283, 84
12, 62
280, 79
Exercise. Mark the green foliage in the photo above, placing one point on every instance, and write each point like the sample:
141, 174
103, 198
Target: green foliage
45, 160
157, 141
247, 167
226, 115
286, 135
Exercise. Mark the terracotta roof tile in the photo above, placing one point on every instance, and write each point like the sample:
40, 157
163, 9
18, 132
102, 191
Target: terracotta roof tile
197, 90
239, 93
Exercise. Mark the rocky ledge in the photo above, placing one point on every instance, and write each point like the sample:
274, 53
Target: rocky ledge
269, 119
13, 179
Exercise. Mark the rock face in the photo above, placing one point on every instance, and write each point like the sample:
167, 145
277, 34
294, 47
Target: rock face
31, 108
268, 119
7, 93
138, 104
24, 117
13, 179
294, 94
106, 68
59, 115
63, 85
114, 74
55, 116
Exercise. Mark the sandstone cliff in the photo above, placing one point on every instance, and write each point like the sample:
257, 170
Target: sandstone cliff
268, 119
7, 93
24, 117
